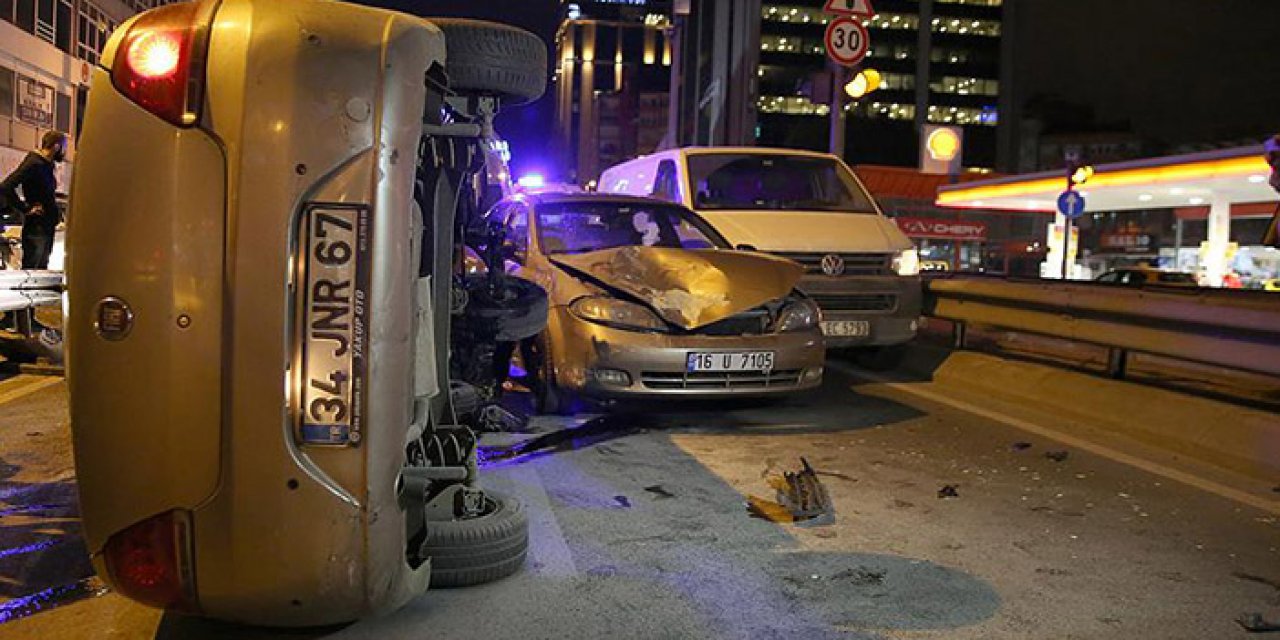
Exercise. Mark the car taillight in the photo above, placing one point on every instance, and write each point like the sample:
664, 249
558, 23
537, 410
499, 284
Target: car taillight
150, 562
160, 62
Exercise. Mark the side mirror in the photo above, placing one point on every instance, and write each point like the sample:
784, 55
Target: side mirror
746, 247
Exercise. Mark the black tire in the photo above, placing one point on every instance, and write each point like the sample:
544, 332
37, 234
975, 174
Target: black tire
480, 549
880, 358
548, 397
491, 59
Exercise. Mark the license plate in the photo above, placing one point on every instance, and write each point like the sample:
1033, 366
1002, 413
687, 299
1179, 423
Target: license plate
739, 361
334, 325
846, 328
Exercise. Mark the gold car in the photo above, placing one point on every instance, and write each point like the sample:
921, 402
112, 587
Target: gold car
647, 300
259, 263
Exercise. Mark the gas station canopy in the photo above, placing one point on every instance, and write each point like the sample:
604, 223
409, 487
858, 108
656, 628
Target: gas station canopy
1227, 176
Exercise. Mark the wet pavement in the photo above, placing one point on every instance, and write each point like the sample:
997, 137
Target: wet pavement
639, 529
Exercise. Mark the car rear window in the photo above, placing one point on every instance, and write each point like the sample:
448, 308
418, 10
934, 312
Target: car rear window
774, 182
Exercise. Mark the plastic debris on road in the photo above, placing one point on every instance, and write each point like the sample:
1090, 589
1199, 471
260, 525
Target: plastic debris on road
802, 499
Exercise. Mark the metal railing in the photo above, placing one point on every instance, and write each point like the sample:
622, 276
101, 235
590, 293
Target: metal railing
1233, 329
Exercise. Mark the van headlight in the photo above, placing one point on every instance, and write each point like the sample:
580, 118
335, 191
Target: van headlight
907, 263
617, 313
799, 316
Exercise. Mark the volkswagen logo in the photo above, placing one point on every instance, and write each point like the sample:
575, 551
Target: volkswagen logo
832, 264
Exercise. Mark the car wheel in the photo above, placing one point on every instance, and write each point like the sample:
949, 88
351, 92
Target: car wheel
482, 549
880, 358
490, 59
549, 397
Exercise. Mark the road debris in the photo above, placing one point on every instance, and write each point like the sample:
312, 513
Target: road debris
1254, 622
949, 491
659, 492
1021, 446
622, 501
802, 499
1057, 456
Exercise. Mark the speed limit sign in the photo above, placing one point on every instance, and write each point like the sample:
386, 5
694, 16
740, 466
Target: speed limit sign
847, 41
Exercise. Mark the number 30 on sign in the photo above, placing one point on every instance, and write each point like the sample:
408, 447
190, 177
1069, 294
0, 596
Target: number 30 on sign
847, 41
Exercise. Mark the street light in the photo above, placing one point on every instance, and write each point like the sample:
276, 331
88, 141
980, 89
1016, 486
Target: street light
865, 82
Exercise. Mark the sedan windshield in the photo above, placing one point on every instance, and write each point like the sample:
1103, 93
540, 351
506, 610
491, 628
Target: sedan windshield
774, 182
580, 227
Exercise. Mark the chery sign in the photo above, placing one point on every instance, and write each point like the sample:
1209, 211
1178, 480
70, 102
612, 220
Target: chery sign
936, 229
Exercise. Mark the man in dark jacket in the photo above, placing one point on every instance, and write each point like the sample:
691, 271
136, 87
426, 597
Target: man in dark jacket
38, 205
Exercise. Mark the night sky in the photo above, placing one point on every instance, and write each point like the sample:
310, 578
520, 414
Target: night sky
1175, 71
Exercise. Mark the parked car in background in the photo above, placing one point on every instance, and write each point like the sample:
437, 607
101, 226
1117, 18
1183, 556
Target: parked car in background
1140, 276
648, 300
810, 207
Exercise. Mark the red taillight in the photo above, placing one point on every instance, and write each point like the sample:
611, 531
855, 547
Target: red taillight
150, 562
160, 62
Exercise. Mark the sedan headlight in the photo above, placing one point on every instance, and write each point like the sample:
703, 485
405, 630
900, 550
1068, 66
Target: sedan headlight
616, 313
799, 316
907, 263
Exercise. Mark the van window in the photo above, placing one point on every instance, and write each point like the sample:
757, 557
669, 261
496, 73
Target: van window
774, 182
665, 185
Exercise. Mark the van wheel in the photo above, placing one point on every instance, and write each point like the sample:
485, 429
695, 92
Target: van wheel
482, 549
491, 59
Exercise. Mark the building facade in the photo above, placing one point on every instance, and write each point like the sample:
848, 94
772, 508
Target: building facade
942, 62
47, 51
612, 77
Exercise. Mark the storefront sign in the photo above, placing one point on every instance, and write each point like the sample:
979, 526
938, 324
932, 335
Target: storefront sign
1125, 242
35, 102
937, 229
941, 149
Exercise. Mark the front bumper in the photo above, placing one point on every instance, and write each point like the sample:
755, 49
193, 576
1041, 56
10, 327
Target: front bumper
891, 304
655, 364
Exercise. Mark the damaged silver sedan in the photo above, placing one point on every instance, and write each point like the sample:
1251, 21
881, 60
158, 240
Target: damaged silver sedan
646, 299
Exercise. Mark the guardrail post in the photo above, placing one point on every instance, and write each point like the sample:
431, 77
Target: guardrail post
1117, 361
957, 335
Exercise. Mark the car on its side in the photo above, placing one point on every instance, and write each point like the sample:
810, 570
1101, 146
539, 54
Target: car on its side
648, 300
1142, 276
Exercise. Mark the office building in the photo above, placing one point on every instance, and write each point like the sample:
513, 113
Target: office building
942, 62
612, 77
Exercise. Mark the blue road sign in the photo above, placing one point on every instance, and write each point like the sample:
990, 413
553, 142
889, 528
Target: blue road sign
1071, 204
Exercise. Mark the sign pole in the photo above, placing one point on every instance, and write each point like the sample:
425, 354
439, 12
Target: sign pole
837, 138
1066, 236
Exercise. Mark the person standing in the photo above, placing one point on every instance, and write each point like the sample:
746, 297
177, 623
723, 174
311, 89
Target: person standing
38, 204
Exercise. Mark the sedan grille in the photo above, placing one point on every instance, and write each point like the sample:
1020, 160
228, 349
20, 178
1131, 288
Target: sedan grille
855, 264
709, 381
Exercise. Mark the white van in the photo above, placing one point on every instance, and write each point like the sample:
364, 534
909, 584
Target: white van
806, 206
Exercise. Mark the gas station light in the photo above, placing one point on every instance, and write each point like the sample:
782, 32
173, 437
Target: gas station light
1081, 174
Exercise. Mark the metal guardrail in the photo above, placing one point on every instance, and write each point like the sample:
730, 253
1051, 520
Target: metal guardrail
1233, 329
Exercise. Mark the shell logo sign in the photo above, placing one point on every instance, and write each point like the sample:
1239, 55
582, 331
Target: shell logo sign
943, 144
941, 149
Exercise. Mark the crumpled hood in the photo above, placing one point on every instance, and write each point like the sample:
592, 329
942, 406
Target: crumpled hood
689, 288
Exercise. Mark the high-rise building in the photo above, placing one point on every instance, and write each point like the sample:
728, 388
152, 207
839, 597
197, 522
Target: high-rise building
612, 77
47, 50
941, 61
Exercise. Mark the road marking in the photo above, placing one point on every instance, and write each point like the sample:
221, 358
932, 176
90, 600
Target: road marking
547, 544
39, 382
1221, 490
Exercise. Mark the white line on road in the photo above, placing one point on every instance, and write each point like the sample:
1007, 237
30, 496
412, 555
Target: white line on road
1221, 490
25, 388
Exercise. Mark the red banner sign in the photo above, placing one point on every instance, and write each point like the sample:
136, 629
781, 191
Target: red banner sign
937, 229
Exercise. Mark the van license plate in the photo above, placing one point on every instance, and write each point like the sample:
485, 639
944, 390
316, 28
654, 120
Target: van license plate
335, 325
739, 361
846, 328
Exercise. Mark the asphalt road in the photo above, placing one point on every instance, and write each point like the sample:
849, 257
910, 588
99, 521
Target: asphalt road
639, 530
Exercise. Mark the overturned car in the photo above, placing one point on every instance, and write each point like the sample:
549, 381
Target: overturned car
260, 305
647, 299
